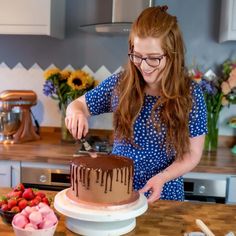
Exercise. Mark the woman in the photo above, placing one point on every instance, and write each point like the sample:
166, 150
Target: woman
159, 112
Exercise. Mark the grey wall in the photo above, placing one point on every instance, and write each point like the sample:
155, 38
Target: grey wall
199, 21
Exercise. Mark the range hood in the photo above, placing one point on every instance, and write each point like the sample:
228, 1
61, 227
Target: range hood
122, 14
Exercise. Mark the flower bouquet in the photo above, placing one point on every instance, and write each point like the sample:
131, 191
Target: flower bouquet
218, 91
65, 86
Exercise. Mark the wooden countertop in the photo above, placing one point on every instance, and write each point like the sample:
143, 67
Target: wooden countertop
50, 149
165, 218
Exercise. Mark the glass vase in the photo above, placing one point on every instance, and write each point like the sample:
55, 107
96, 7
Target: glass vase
211, 139
65, 134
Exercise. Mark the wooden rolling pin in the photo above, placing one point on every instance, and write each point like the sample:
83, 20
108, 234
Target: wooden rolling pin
204, 228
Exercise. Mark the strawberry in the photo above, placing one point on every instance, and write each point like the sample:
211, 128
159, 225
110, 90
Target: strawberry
3, 200
45, 200
40, 194
38, 198
28, 194
11, 203
15, 209
10, 194
19, 199
4, 207
34, 202
14, 194
19, 187
22, 204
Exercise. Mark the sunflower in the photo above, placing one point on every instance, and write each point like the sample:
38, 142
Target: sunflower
79, 80
65, 86
47, 74
95, 83
65, 74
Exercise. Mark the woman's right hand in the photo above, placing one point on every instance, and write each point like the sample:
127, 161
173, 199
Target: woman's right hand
77, 118
77, 124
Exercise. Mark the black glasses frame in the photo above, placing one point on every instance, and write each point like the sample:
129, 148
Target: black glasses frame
159, 58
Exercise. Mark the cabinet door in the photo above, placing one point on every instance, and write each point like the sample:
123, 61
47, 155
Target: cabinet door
15, 173
5, 174
9, 173
33, 17
24, 12
228, 20
24, 16
231, 190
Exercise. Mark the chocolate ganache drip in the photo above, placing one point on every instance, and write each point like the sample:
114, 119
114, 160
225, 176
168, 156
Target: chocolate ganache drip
106, 167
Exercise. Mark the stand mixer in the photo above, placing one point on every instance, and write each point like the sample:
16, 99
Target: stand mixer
17, 130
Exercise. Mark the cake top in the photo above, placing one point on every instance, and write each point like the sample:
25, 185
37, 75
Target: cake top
102, 161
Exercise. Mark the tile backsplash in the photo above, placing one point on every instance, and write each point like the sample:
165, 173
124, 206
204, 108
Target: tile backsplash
46, 110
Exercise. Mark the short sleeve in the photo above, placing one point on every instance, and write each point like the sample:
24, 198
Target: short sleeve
99, 99
198, 113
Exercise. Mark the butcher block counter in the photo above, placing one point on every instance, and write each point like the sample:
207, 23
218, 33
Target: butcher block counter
50, 149
164, 218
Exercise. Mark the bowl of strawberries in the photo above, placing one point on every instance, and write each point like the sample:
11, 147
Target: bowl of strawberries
18, 199
7, 216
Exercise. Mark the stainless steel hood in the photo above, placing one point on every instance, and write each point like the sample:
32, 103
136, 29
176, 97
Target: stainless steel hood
123, 13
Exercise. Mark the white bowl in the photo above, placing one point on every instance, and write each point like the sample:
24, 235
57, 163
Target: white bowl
37, 232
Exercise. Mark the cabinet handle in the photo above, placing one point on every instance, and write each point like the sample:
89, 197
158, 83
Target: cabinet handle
11, 171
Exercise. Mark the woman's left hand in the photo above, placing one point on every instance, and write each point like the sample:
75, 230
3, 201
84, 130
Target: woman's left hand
155, 186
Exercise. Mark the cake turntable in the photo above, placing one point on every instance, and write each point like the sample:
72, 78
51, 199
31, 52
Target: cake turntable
103, 221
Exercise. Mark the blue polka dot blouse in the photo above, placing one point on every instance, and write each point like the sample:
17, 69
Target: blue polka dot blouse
151, 158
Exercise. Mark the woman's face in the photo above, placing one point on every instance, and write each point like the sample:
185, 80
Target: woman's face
152, 67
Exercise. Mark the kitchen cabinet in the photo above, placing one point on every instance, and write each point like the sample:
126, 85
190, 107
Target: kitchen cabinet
228, 20
9, 173
231, 189
32, 17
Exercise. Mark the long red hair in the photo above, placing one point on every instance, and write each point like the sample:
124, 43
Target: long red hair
175, 100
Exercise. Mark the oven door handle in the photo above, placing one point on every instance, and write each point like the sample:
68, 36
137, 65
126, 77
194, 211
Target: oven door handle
45, 187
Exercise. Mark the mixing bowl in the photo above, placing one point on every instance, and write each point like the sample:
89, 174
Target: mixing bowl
9, 123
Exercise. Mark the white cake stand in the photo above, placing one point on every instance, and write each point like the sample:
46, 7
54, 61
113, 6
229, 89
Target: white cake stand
93, 221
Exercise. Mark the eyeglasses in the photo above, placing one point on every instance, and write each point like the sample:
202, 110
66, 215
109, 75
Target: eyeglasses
150, 60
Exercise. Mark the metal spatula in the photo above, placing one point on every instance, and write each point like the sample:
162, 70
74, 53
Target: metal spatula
88, 148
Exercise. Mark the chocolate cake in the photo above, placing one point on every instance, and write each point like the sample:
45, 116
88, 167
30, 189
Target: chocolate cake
106, 179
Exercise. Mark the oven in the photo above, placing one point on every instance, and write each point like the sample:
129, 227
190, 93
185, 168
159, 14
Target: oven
205, 187
197, 186
53, 178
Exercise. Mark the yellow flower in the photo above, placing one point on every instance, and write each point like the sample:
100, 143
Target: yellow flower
90, 80
79, 80
65, 85
96, 83
65, 74
51, 72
